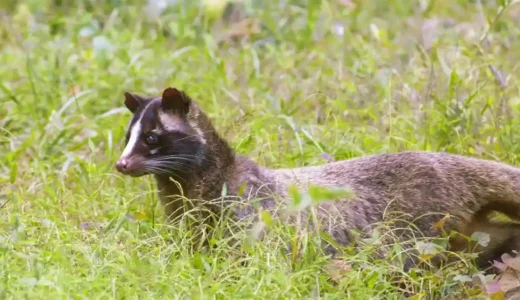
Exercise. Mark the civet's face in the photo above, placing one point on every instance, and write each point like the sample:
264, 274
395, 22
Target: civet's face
160, 139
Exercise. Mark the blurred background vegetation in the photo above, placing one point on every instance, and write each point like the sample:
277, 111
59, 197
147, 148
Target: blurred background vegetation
289, 83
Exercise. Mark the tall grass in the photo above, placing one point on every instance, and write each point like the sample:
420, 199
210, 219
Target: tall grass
302, 83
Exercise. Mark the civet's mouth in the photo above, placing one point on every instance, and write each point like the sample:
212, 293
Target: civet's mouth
131, 166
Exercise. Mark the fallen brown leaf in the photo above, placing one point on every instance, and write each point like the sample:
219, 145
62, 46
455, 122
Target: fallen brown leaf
512, 262
74, 90
513, 294
337, 268
499, 265
509, 278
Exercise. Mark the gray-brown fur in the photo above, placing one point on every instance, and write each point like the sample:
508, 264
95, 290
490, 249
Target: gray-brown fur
417, 183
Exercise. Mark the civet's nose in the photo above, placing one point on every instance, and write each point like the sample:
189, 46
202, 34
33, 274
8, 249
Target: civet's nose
121, 165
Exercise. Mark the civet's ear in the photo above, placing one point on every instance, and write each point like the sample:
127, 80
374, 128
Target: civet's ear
175, 100
133, 101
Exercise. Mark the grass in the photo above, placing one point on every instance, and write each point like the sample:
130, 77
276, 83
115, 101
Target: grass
316, 80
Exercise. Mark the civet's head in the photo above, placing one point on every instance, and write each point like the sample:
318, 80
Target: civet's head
163, 137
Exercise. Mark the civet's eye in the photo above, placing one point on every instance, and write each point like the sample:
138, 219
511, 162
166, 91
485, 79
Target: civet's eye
151, 139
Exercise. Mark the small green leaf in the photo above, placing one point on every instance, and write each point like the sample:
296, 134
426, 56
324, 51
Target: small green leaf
397, 249
329, 239
241, 189
462, 278
14, 172
224, 190
481, 238
197, 262
295, 194
427, 250
371, 282
266, 218
320, 194
417, 296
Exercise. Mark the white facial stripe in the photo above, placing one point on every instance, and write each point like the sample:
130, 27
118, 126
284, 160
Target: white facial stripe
134, 135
